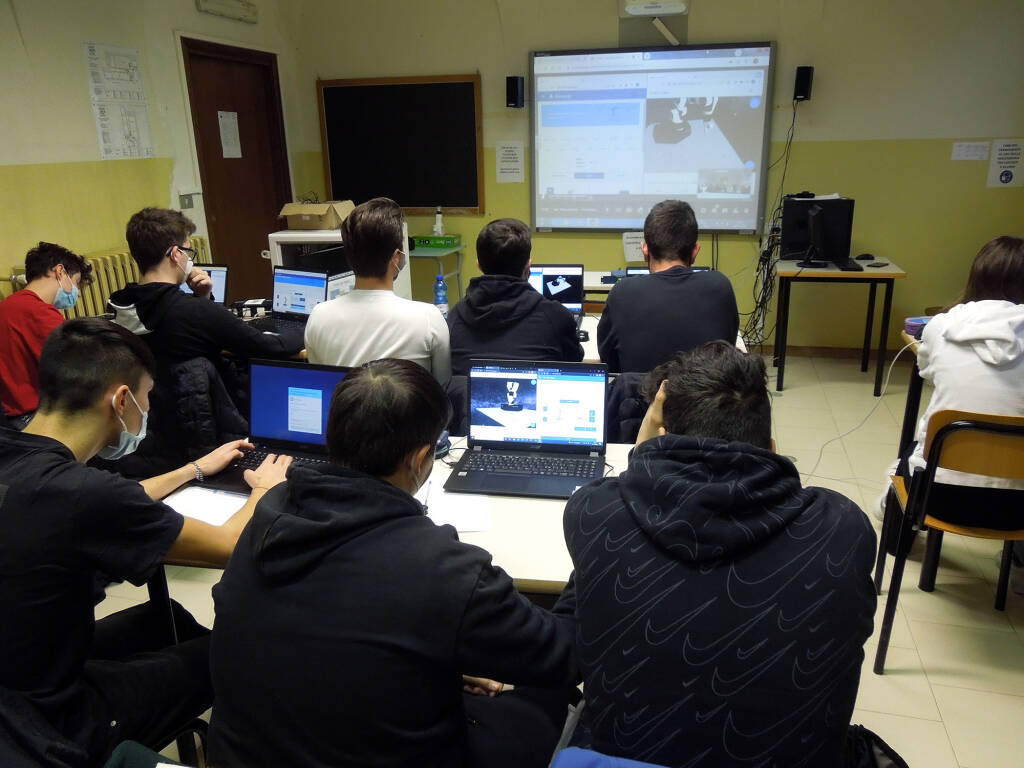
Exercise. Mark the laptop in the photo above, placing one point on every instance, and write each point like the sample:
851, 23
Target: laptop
535, 429
632, 271
340, 284
296, 293
219, 275
288, 406
562, 283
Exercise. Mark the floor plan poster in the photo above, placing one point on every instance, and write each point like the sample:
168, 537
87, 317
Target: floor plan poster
118, 99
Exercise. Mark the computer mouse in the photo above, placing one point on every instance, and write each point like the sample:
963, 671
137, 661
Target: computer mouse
582, 335
866, 257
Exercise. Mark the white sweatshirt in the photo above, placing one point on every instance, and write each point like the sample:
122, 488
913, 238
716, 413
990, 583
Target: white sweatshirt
367, 325
974, 356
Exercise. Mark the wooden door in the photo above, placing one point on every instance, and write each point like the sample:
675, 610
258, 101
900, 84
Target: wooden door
242, 195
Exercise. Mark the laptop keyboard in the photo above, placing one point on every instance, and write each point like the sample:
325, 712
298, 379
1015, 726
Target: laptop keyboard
252, 459
277, 324
555, 466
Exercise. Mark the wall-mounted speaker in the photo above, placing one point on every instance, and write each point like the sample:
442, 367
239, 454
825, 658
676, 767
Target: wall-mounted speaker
515, 92
802, 85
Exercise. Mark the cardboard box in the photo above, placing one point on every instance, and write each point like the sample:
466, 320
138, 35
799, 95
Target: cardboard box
327, 215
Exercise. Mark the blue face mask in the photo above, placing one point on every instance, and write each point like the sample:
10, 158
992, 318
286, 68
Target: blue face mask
127, 442
66, 299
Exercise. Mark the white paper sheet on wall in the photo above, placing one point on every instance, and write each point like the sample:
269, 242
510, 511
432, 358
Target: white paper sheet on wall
230, 142
508, 155
1006, 168
118, 98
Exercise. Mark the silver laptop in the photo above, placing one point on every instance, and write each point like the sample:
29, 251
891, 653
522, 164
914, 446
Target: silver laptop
535, 429
340, 284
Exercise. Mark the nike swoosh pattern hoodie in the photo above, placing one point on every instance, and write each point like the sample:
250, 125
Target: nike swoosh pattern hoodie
722, 609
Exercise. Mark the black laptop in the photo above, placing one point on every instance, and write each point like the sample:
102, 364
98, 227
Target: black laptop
296, 293
219, 275
288, 405
562, 283
535, 429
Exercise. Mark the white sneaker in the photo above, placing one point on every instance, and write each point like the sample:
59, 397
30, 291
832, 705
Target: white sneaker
878, 508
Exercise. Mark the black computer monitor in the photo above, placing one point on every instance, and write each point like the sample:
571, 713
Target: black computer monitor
816, 229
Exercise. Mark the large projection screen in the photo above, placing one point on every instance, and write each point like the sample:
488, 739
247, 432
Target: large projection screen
616, 131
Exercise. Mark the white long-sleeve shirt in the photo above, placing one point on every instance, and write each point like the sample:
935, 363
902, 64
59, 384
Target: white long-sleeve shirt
366, 325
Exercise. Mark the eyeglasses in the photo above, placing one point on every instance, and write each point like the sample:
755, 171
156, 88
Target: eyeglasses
189, 251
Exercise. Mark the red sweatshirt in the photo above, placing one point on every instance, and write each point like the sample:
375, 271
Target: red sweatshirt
25, 323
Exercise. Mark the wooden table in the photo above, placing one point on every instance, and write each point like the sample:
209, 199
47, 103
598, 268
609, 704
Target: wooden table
790, 273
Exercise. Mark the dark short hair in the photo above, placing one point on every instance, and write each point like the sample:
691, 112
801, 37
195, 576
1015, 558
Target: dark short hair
152, 231
83, 358
503, 247
716, 391
46, 256
371, 233
382, 411
670, 231
997, 272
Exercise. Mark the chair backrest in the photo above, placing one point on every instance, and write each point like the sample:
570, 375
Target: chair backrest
977, 443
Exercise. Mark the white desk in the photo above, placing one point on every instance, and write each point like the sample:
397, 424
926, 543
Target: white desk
526, 539
438, 255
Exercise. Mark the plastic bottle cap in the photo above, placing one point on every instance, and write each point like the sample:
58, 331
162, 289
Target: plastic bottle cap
440, 277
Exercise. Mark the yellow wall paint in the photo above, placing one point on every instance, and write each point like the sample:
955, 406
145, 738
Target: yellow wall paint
308, 175
82, 206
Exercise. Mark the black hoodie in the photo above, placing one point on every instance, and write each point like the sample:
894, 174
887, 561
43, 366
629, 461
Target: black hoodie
722, 608
505, 318
178, 326
345, 619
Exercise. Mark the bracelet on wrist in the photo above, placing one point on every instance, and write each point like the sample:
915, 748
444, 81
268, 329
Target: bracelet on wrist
199, 473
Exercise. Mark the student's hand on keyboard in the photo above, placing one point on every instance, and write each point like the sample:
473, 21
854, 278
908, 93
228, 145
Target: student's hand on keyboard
481, 686
218, 459
268, 474
653, 424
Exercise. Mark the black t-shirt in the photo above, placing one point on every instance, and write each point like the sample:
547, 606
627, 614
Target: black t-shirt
650, 318
61, 522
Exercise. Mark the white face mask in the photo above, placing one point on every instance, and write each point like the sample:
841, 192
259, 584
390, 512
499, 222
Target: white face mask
127, 441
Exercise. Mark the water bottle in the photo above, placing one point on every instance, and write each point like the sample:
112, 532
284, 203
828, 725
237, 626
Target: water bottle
441, 296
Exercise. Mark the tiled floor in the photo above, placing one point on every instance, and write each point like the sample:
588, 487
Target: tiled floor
953, 691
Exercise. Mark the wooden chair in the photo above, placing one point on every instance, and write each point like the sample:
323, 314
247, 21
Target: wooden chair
978, 443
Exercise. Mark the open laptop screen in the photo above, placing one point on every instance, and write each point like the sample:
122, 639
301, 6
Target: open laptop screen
561, 282
219, 275
340, 284
537, 403
289, 401
297, 292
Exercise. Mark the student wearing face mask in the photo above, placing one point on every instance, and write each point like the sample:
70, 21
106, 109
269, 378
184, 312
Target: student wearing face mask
371, 322
74, 686
27, 318
346, 618
175, 325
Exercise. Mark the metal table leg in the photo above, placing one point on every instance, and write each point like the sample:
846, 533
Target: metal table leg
883, 336
782, 330
865, 353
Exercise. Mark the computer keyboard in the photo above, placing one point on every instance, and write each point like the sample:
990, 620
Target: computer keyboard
277, 324
849, 266
252, 459
556, 466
